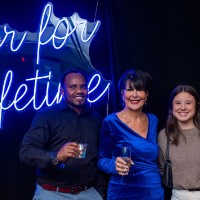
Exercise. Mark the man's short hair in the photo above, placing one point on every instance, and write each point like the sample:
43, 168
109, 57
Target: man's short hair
62, 80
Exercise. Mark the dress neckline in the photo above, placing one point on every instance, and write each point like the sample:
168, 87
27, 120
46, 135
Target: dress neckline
132, 129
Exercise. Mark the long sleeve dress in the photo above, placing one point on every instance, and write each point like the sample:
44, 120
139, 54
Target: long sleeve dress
143, 181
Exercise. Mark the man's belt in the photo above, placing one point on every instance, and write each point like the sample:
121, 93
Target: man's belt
73, 190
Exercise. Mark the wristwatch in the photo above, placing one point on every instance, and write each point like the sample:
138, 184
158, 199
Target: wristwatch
55, 160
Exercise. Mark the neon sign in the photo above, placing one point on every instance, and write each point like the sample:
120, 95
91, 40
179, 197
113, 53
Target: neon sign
71, 37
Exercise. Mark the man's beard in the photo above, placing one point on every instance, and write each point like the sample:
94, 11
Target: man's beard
81, 106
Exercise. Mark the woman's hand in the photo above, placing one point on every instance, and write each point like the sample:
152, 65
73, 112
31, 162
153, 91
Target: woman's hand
122, 166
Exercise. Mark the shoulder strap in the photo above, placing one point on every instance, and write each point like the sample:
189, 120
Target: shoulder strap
167, 151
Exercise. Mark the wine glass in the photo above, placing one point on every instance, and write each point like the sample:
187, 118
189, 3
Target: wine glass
126, 156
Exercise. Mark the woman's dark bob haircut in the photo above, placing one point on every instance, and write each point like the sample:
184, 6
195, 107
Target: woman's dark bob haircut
140, 80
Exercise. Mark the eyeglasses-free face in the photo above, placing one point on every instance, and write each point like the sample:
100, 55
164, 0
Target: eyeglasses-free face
132, 97
184, 108
75, 90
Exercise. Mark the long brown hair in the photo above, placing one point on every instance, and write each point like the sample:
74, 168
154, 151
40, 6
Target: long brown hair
172, 128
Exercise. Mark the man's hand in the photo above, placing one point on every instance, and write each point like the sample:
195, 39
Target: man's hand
68, 150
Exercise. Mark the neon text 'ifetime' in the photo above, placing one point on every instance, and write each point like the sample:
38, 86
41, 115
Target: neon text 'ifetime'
20, 100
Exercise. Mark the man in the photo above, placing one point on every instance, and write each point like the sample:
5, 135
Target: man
51, 144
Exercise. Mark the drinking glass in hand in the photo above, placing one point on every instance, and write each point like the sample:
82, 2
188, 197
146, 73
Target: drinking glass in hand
126, 156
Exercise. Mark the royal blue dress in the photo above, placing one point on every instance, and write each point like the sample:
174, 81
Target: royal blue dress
143, 181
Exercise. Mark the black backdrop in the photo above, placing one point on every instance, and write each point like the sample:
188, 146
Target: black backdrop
160, 37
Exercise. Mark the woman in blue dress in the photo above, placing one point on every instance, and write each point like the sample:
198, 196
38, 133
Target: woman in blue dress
139, 178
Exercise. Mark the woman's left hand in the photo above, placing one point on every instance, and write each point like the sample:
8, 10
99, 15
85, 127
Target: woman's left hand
122, 167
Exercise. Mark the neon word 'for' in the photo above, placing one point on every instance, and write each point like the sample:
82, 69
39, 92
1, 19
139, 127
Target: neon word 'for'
58, 36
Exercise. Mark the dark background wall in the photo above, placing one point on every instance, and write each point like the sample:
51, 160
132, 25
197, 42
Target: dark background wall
160, 37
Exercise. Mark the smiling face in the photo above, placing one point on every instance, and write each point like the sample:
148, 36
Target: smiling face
184, 108
134, 99
75, 90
